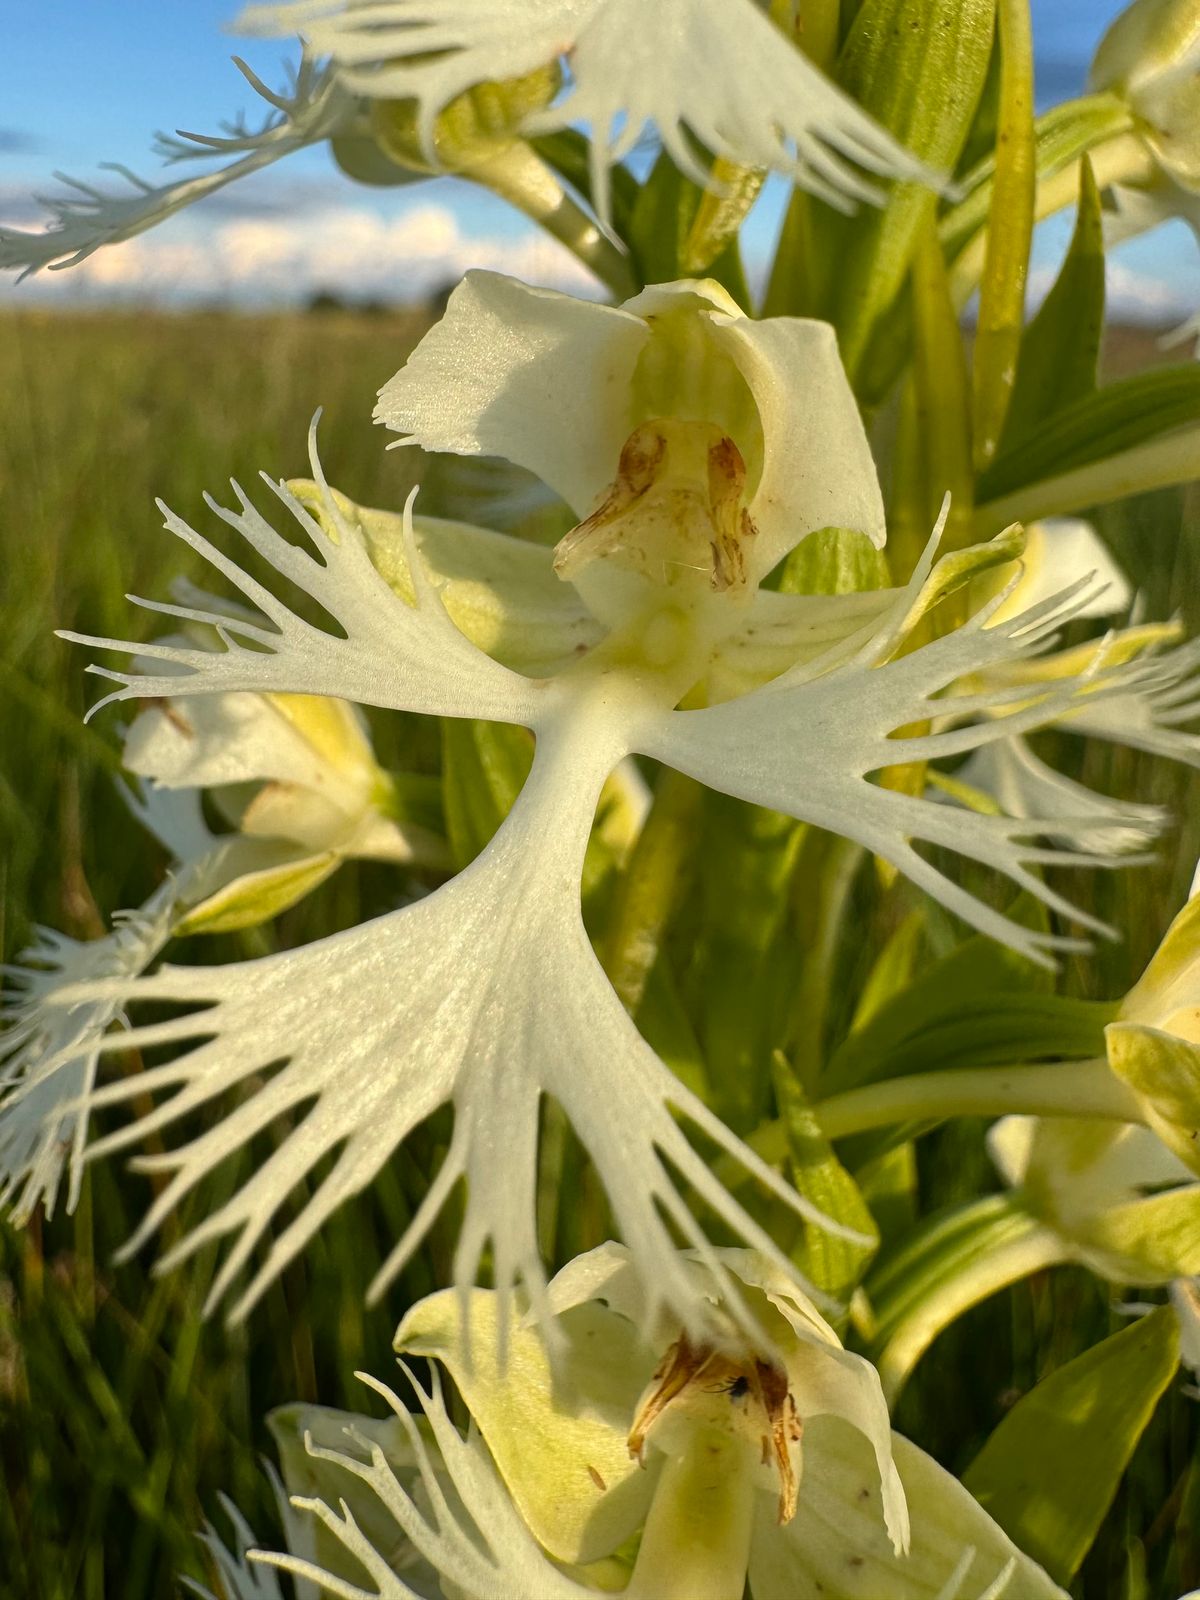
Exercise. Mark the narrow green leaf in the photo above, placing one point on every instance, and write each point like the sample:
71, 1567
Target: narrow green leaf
737, 991
1049, 1472
943, 420
1163, 462
1061, 347
918, 66
652, 884
484, 766
950, 1262
667, 1029
1113, 419
1010, 233
978, 1006
893, 968
1061, 136
833, 1264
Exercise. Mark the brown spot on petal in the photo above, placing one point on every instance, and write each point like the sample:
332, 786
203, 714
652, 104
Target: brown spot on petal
757, 1389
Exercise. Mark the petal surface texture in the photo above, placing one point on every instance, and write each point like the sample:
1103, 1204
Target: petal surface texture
486, 993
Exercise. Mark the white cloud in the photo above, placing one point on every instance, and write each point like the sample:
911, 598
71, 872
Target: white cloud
349, 250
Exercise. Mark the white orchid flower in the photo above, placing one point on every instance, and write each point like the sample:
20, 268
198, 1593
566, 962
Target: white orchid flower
1060, 552
487, 992
717, 71
640, 1462
291, 767
324, 800
1114, 1197
315, 107
1150, 56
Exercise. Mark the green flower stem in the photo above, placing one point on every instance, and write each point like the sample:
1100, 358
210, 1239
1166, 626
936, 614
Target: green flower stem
696, 1545
648, 890
946, 1266
1060, 1089
519, 175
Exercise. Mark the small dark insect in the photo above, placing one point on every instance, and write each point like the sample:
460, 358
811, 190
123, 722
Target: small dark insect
739, 1388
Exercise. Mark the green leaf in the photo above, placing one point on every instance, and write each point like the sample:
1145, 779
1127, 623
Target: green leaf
484, 767
918, 66
941, 1268
1010, 233
1049, 1472
941, 436
978, 1006
1098, 426
893, 968
659, 228
737, 991
1061, 346
834, 1264
667, 1029
1061, 136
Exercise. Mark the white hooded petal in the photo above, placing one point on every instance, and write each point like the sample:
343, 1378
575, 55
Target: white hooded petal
538, 377
87, 218
174, 817
715, 69
1025, 786
557, 385
806, 742
486, 993
835, 1547
556, 1425
49, 1050
395, 655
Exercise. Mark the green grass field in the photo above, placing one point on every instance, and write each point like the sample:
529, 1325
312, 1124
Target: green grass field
122, 1414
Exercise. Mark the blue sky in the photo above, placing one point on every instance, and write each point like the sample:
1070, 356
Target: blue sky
91, 80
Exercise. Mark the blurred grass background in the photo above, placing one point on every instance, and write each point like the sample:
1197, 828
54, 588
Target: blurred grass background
121, 1414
